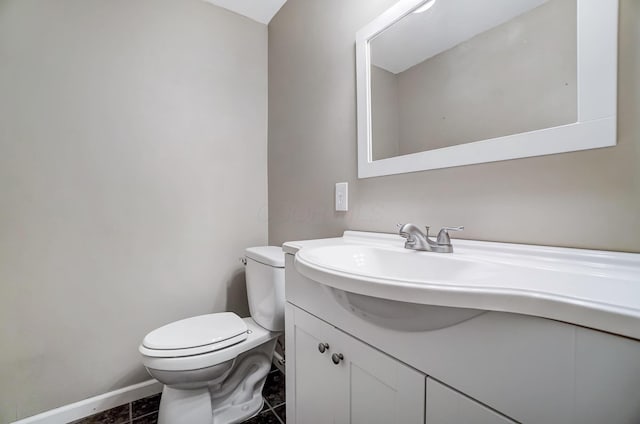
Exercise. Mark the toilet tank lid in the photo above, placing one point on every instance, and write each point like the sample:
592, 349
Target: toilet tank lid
268, 255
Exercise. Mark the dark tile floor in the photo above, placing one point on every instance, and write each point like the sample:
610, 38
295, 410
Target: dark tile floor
141, 411
145, 411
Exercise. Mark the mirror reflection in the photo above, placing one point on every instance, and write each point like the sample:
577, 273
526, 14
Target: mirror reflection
459, 71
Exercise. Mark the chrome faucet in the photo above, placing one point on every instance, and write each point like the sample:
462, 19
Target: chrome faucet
417, 240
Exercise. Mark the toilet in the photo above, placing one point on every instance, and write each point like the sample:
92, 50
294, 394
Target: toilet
214, 366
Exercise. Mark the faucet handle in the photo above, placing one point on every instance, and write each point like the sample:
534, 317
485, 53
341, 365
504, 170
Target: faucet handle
426, 227
443, 235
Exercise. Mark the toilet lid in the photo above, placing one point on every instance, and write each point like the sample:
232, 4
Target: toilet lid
203, 330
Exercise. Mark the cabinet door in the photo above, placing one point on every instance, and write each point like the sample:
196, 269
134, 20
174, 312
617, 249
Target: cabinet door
311, 376
446, 406
376, 388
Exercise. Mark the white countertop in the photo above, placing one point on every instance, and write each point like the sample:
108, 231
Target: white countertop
596, 289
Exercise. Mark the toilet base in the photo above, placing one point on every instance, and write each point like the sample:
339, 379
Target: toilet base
232, 398
185, 406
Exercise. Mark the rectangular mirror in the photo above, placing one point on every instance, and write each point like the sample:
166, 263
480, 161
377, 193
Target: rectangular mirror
446, 83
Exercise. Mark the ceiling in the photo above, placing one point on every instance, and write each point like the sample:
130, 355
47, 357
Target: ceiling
258, 10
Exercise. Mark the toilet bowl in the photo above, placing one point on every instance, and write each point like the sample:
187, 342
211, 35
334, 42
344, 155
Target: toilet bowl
214, 366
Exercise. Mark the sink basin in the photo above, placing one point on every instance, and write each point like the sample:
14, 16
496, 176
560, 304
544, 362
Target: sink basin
396, 266
369, 273
402, 265
404, 316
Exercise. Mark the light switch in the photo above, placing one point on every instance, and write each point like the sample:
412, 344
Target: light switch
342, 197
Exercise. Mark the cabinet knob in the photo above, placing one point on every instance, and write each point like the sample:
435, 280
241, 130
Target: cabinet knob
323, 346
337, 357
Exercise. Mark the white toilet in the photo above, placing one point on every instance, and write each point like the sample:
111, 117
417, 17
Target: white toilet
214, 366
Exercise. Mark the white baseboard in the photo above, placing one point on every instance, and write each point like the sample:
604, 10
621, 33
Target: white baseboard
84, 408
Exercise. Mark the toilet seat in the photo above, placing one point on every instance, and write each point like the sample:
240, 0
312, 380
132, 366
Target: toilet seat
255, 335
195, 336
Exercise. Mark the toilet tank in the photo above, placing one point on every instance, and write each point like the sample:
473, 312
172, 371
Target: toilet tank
265, 286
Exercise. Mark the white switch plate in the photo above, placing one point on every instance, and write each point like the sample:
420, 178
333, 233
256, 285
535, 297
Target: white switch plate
342, 197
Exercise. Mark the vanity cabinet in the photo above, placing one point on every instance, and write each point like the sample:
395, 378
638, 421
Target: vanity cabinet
407, 362
447, 406
338, 379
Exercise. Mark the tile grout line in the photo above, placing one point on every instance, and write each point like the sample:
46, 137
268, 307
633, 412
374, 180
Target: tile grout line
145, 415
278, 405
272, 410
277, 416
269, 409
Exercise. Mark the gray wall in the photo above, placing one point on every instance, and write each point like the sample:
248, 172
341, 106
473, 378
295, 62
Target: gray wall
587, 199
132, 176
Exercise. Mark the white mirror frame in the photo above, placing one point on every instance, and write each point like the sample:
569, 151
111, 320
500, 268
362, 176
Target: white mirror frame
597, 84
